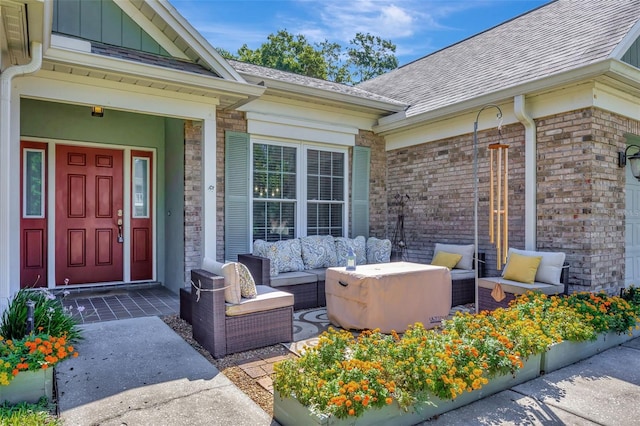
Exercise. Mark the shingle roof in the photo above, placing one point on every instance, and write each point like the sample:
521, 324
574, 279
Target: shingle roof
557, 37
149, 58
301, 80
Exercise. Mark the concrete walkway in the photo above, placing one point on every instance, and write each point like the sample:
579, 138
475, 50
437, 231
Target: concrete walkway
139, 372
601, 390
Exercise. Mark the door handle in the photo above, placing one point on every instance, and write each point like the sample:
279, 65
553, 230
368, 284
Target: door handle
120, 236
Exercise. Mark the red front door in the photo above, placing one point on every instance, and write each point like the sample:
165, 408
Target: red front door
89, 215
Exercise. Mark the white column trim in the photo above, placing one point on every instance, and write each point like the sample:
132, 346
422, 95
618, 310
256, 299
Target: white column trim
530, 142
209, 187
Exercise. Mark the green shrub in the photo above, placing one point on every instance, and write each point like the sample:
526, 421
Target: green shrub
24, 414
50, 317
632, 295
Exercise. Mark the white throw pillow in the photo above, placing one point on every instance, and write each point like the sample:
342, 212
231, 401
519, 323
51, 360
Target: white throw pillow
550, 269
229, 271
466, 250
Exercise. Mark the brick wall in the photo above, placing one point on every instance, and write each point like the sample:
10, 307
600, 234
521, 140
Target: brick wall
580, 193
438, 178
192, 196
581, 198
226, 120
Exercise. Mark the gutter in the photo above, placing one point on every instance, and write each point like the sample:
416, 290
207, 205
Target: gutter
7, 166
530, 183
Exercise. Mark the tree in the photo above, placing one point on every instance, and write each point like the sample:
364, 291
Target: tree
367, 57
286, 52
370, 56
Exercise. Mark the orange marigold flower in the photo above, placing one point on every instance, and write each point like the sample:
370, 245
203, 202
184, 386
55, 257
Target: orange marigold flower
45, 366
15, 372
352, 412
389, 400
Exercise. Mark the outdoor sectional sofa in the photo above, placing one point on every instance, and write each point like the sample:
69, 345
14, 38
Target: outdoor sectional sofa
463, 279
305, 261
298, 265
550, 276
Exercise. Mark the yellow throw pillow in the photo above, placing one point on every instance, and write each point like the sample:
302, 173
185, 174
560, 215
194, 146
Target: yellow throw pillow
450, 260
522, 268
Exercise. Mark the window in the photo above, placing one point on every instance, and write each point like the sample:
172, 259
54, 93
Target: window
325, 193
140, 187
289, 202
33, 183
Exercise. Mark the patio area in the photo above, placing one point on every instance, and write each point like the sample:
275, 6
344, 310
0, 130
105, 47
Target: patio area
108, 304
562, 397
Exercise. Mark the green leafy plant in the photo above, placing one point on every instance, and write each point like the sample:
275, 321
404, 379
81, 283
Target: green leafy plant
49, 342
603, 312
50, 317
25, 414
632, 295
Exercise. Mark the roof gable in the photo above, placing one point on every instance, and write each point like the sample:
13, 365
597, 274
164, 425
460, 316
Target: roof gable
104, 22
150, 27
558, 37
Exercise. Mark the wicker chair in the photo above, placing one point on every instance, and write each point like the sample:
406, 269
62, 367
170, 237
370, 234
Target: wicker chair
222, 334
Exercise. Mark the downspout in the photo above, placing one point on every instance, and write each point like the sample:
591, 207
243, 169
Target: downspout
6, 166
530, 184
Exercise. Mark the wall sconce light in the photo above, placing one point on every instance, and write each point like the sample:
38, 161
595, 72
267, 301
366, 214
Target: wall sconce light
634, 160
97, 111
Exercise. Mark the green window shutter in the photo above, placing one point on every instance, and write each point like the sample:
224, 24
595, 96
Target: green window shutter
237, 238
360, 191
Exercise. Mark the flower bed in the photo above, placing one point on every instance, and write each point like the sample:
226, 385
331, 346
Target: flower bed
466, 358
27, 359
290, 412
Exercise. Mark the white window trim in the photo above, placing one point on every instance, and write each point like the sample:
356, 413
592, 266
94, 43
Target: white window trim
300, 229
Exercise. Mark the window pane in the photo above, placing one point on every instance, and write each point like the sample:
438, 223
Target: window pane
33, 183
289, 160
325, 163
289, 187
313, 190
273, 221
140, 187
274, 192
259, 184
313, 162
338, 189
325, 188
325, 192
338, 164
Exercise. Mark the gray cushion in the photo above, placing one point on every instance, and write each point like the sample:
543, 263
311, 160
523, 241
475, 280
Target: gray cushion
267, 299
462, 274
293, 278
467, 252
516, 287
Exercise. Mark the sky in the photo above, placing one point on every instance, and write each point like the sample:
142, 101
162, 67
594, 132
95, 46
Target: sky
416, 27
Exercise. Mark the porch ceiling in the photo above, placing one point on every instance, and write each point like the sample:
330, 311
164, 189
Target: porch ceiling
14, 33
